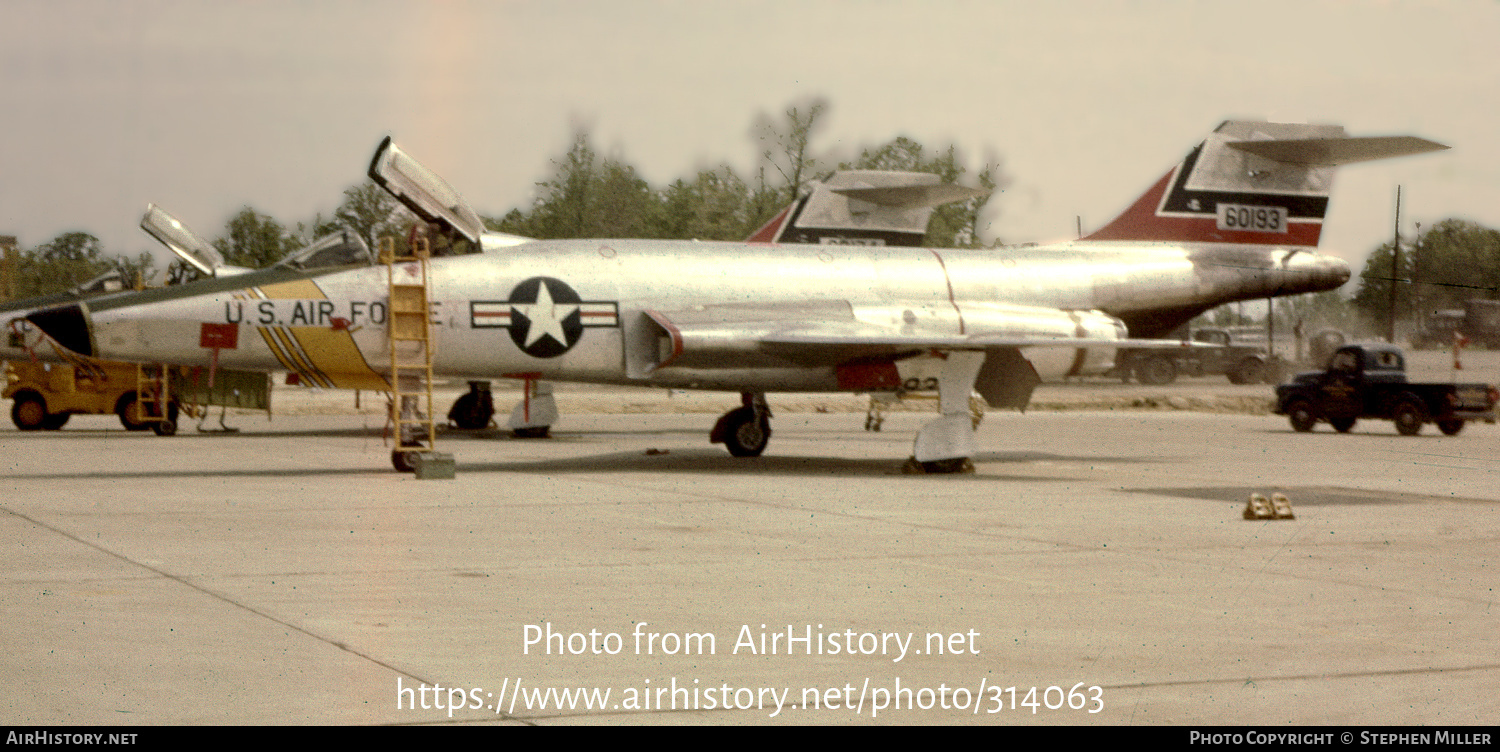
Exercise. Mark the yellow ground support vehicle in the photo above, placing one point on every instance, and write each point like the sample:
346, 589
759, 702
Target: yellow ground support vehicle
47, 394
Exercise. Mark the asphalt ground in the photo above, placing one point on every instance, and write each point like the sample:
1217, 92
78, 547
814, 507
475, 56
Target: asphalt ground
1096, 569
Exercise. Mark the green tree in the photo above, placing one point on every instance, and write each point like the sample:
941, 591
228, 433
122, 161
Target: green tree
1445, 266
787, 147
71, 259
716, 205
1454, 261
370, 212
586, 197
255, 240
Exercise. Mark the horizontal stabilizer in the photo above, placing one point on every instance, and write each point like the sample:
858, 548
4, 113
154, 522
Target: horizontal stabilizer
1337, 151
912, 196
864, 207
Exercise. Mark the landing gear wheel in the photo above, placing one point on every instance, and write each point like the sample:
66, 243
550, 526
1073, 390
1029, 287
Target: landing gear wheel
29, 412
1302, 416
404, 460
1450, 427
745, 435
1410, 416
472, 411
56, 421
938, 467
1342, 425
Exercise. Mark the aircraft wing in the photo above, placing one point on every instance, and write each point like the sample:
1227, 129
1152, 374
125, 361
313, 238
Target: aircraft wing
831, 333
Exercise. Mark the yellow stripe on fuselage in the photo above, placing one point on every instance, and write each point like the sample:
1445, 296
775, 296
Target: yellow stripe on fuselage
327, 356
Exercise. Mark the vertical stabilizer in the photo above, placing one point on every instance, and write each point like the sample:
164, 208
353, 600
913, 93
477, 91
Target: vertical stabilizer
1253, 183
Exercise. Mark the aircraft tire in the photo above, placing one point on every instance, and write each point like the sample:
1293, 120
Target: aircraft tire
744, 434
1342, 425
404, 461
55, 421
1451, 427
29, 412
948, 467
470, 412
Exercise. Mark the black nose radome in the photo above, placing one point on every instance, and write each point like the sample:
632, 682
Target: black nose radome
68, 325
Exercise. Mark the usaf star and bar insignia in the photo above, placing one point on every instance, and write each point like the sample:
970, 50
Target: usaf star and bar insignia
544, 315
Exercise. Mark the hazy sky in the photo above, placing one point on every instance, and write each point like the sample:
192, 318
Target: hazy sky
206, 107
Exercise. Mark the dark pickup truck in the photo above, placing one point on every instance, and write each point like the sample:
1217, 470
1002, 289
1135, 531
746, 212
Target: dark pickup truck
1369, 381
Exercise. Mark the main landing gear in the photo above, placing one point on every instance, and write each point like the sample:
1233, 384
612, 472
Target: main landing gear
945, 445
745, 430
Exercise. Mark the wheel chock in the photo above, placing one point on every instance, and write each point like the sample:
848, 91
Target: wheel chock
1281, 506
1278, 507
1259, 508
433, 465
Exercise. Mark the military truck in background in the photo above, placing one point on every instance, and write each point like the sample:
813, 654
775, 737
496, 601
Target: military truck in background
1216, 353
1478, 321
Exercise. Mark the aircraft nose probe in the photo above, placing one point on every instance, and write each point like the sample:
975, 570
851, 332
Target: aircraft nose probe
67, 325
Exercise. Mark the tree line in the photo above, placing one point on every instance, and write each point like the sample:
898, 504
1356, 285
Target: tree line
586, 195
592, 195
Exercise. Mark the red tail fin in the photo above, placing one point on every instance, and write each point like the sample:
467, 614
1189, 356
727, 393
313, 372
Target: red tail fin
1252, 183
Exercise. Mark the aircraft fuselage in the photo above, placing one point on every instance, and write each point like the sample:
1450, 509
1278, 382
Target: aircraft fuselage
609, 311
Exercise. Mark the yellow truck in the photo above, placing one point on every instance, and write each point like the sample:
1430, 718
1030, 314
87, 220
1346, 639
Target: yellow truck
46, 394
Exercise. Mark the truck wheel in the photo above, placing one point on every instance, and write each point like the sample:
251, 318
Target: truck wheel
1156, 371
1342, 425
1302, 416
1248, 371
128, 409
1410, 414
29, 412
55, 421
1450, 427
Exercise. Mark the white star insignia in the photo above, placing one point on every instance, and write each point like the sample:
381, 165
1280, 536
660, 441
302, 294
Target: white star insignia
545, 317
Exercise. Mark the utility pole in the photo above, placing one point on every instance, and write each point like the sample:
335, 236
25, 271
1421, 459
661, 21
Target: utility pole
1390, 332
1418, 311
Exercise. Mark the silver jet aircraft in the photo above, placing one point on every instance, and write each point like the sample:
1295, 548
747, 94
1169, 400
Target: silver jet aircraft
1238, 219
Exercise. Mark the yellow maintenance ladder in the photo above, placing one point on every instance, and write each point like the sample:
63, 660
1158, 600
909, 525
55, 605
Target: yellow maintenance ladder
153, 399
409, 328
